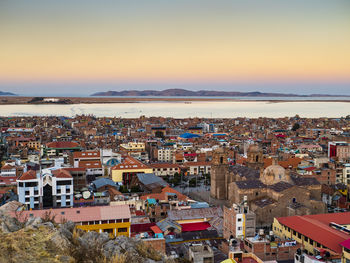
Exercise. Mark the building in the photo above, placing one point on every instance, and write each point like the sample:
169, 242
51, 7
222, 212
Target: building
135, 149
165, 154
346, 174
272, 192
269, 248
45, 189
199, 253
239, 222
346, 251
85, 156
165, 169
322, 231
114, 220
125, 171
197, 168
60, 147
8, 170
341, 150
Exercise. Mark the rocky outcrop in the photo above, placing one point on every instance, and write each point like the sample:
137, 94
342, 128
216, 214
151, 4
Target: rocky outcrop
40, 240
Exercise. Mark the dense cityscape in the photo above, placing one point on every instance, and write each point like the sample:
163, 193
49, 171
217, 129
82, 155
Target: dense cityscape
195, 190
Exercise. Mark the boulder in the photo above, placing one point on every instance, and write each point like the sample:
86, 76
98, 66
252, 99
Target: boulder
33, 222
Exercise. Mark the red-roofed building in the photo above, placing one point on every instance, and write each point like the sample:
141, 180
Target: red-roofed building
59, 147
322, 231
167, 199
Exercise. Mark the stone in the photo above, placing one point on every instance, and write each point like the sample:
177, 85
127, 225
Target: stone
60, 241
12, 224
33, 222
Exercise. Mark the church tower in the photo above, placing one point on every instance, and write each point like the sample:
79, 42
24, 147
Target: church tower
255, 157
219, 173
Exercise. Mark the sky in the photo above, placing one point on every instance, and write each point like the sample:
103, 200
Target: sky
79, 47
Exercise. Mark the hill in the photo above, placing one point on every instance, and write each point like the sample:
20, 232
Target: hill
189, 93
5, 93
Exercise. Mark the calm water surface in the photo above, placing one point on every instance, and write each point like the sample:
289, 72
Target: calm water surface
222, 109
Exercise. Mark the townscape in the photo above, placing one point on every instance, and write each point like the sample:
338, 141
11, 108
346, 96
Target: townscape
195, 190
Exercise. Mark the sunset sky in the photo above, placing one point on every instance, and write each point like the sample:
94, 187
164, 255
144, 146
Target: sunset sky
78, 47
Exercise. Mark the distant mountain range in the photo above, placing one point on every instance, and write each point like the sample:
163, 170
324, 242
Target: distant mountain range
200, 93
4, 93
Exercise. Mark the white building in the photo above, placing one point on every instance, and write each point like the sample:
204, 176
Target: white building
45, 189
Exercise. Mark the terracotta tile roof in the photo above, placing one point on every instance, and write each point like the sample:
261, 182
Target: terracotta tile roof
130, 163
90, 164
62, 144
29, 175
156, 229
7, 167
87, 154
8, 180
61, 173
79, 214
291, 162
317, 228
162, 195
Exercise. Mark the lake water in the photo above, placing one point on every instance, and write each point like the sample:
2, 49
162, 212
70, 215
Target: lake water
205, 109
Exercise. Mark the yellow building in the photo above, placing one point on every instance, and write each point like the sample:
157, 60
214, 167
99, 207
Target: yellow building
114, 220
346, 251
125, 171
133, 147
34, 145
315, 232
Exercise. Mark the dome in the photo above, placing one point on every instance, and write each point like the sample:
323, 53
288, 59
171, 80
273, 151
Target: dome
274, 174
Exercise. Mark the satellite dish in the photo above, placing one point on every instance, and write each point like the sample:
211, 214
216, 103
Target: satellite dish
86, 194
78, 196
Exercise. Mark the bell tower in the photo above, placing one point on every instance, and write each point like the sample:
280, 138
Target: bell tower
255, 157
219, 172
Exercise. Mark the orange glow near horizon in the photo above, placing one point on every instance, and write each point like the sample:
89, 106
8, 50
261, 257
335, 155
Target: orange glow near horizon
83, 44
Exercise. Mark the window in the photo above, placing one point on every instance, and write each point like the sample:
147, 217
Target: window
20, 184
62, 213
239, 220
122, 230
119, 220
26, 192
36, 192
109, 230
104, 222
65, 182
